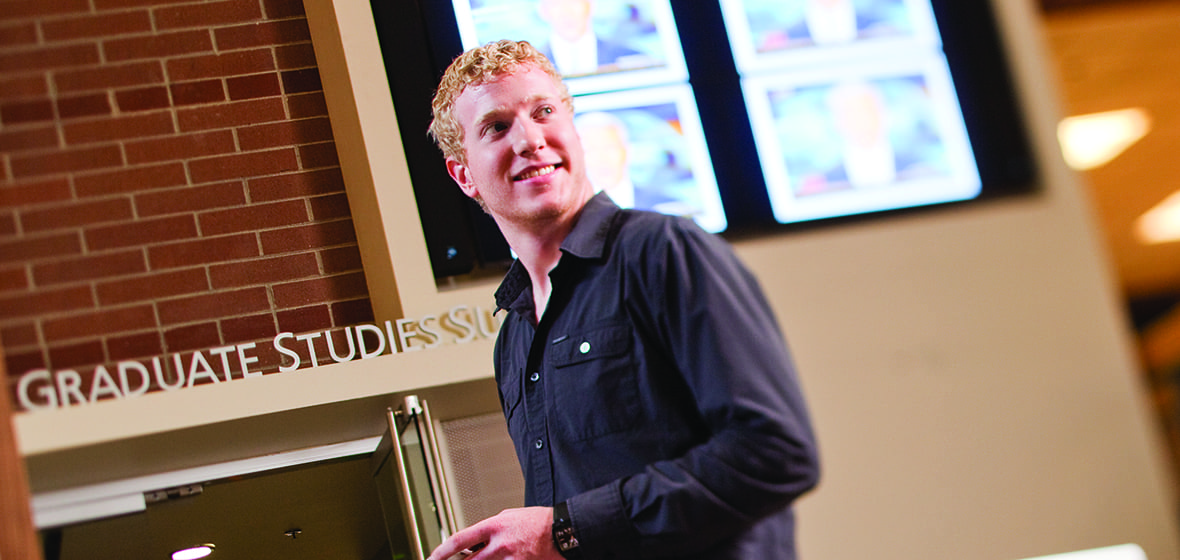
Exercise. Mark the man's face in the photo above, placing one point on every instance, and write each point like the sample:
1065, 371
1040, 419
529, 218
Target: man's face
568, 18
524, 158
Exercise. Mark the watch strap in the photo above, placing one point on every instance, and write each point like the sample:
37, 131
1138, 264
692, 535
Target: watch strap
563, 533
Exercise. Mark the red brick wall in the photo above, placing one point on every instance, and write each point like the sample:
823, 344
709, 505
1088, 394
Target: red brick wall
168, 183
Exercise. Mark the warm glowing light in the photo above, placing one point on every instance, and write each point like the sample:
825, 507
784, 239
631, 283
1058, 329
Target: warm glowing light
193, 553
1089, 141
1119, 552
1161, 224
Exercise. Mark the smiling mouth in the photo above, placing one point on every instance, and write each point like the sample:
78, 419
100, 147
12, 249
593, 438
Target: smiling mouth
537, 172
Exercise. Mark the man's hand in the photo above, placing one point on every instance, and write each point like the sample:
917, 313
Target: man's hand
513, 534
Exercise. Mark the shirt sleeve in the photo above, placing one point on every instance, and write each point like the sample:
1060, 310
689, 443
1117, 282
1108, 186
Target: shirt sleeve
712, 316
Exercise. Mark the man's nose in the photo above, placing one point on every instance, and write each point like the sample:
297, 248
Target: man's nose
529, 138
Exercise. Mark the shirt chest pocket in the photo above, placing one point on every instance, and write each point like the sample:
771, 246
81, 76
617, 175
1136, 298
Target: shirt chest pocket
594, 382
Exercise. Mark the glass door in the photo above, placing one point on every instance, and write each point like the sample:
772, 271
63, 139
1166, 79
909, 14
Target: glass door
411, 484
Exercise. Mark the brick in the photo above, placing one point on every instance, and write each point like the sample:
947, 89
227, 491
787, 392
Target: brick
18, 112
190, 199
233, 114
290, 57
101, 25
262, 34
31, 248
54, 190
204, 251
301, 81
265, 271
64, 161
330, 207
253, 87
354, 312
193, 337
251, 164
12, 279
134, 346
141, 233
209, 14
308, 319
43, 302
19, 364
180, 147
99, 323
23, 86
285, 133
315, 156
307, 237
319, 290
24, 334
236, 330
22, 33
77, 356
307, 105
343, 259
109, 76
89, 268
221, 65
29, 8
131, 179
142, 99
213, 306
195, 93
295, 185
119, 128
152, 286
28, 139
158, 46
77, 214
7, 224
117, 4
281, 9
83, 106
255, 217
48, 58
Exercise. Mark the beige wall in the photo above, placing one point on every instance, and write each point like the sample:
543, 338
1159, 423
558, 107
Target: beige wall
969, 370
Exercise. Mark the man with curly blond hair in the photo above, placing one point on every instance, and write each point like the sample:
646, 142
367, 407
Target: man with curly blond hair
647, 387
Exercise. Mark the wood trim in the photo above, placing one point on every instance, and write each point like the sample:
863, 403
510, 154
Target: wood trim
18, 537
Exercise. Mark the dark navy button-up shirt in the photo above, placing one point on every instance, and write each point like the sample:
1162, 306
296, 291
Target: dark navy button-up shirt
656, 396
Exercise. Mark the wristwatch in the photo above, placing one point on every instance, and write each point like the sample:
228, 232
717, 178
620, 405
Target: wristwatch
563, 533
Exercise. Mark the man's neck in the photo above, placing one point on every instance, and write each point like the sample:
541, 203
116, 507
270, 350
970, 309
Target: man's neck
538, 247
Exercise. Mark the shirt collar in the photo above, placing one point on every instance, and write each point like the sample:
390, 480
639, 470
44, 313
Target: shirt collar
587, 240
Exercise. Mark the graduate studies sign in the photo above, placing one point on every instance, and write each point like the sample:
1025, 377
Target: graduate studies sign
43, 389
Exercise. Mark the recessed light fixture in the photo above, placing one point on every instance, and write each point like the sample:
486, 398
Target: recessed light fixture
1089, 141
193, 553
1161, 224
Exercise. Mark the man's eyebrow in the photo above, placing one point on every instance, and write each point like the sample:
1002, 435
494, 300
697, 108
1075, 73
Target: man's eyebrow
498, 111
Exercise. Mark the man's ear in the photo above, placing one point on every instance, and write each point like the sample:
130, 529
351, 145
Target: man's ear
462, 176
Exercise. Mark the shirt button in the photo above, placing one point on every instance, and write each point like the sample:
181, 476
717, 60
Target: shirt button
584, 348
539, 443
535, 377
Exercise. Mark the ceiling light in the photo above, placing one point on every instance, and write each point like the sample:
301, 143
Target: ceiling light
1162, 223
193, 553
1089, 141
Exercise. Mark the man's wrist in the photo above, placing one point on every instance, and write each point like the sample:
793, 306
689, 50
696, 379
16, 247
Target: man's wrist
563, 533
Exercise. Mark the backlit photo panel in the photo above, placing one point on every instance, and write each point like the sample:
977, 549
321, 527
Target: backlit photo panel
647, 150
856, 139
597, 45
767, 34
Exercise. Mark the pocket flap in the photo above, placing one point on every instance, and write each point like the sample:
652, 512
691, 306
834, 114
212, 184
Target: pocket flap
591, 345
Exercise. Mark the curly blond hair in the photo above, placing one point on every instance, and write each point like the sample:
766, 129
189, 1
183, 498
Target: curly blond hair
474, 67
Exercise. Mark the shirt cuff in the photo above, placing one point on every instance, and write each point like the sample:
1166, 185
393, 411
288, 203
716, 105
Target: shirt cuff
602, 526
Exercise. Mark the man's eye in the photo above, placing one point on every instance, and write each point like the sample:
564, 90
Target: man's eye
494, 128
545, 111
